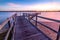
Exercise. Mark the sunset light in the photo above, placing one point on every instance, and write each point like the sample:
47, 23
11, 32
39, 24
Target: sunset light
29, 19
49, 6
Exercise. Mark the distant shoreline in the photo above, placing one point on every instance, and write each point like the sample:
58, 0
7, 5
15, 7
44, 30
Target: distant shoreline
31, 11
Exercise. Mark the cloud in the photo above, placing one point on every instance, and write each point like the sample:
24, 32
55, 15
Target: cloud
43, 7
14, 5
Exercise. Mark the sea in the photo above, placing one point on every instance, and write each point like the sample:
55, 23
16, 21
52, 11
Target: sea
4, 16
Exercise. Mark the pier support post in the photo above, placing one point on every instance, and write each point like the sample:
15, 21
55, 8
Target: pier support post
36, 20
9, 24
23, 15
58, 34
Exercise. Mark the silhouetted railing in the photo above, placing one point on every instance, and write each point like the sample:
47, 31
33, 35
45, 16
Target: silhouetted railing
10, 25
58, 33
58, 21
49, 19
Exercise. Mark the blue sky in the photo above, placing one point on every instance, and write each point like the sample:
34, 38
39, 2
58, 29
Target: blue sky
8, 3
27, 1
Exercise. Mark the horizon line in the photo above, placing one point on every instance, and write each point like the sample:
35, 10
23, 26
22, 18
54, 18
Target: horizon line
31, 11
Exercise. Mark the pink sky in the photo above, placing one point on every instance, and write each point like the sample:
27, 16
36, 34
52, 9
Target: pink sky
44, 6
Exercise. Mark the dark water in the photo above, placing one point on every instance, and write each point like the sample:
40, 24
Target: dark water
4, 16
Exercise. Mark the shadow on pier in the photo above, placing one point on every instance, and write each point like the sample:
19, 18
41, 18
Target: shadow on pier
23, 28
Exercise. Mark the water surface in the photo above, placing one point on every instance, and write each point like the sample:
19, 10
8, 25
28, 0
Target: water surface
5, 15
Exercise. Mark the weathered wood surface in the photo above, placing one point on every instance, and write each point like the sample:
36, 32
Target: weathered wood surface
23, 30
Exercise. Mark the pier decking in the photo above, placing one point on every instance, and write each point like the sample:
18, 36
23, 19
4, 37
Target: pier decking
25, 31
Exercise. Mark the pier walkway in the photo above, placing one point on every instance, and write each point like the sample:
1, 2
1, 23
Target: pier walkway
25, 31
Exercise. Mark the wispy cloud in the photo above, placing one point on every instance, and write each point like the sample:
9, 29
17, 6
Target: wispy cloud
44, 6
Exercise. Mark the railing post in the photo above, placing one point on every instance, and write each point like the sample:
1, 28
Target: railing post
23, 15
9, 24
36, 20
28, 17
58, 34
14, 19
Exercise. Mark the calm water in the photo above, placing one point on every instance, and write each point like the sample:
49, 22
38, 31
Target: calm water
53, 15
5, 15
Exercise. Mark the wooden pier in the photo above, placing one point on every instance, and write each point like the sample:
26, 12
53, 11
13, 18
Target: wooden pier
25, 31
21, 28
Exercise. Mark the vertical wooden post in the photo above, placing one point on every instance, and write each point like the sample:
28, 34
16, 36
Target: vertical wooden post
36, 20
23, 14
28, 17
20, 13
9, 24
13, 20
58, 34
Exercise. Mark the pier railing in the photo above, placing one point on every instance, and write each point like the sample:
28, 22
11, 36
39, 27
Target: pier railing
30, 17
10, 21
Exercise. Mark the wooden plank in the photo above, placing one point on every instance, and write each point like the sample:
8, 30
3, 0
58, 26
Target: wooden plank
33, 35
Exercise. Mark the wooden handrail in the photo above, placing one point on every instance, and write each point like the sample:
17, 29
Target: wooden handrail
10, 29
58, 21
6, 38
10, 25
46, 26
49, 19
58, 34
38, 29
6, 21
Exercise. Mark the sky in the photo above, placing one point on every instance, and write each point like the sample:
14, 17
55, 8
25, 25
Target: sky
7, 5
